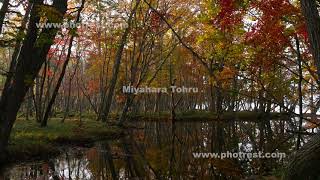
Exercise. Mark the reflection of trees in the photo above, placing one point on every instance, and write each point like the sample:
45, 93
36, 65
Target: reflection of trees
163, 150
64, 167
232, 136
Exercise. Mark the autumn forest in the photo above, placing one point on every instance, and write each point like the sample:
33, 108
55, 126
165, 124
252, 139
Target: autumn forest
134, 89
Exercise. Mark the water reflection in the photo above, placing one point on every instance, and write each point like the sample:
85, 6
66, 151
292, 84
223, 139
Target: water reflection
161, 150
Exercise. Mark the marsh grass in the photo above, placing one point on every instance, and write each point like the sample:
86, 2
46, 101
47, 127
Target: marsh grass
29, 141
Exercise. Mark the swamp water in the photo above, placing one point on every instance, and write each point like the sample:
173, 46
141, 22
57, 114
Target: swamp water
160, 150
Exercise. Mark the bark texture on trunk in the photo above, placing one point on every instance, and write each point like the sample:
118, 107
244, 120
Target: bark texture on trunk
311, 14
305, 164
27, 68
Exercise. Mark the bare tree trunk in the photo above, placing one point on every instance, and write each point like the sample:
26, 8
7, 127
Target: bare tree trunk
128, 103
156, 103
172, 104
212, 95
44, 121
29, 105
300, 93
311, 14
67, 109
3, 11
116, 66
66, 113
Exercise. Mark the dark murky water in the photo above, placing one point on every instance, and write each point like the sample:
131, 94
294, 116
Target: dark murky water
159, 150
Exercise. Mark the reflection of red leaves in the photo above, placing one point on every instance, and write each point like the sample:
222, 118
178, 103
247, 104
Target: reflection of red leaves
92, 153
45, 168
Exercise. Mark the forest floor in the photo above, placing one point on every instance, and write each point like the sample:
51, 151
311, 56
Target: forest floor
29, 141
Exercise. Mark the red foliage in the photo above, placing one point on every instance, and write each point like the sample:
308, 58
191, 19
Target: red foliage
156, 22
93, 86
269, 33
302, 31
228, 16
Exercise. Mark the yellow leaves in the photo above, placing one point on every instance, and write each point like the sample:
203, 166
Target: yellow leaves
212, 80
225, 77
313, 68
47, 12
226, 74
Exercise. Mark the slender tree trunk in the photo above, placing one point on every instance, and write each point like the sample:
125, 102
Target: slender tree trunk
18, 44
156, 104
36, 100
212, 96
172, 105
128, 103
3, 11
300, 93
116, 66
44, 121
66, 113
29, 105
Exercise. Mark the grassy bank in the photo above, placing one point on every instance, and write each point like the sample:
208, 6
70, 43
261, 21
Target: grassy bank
209, 116
29, 141
192, 116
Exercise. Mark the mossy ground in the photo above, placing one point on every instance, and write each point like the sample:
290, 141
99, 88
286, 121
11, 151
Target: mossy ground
30, 141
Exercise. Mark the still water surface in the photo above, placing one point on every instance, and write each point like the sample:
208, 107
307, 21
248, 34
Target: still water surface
159, 150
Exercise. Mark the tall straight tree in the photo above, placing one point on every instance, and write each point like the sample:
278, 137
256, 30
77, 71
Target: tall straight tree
107, 103
28, 67
311, 14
